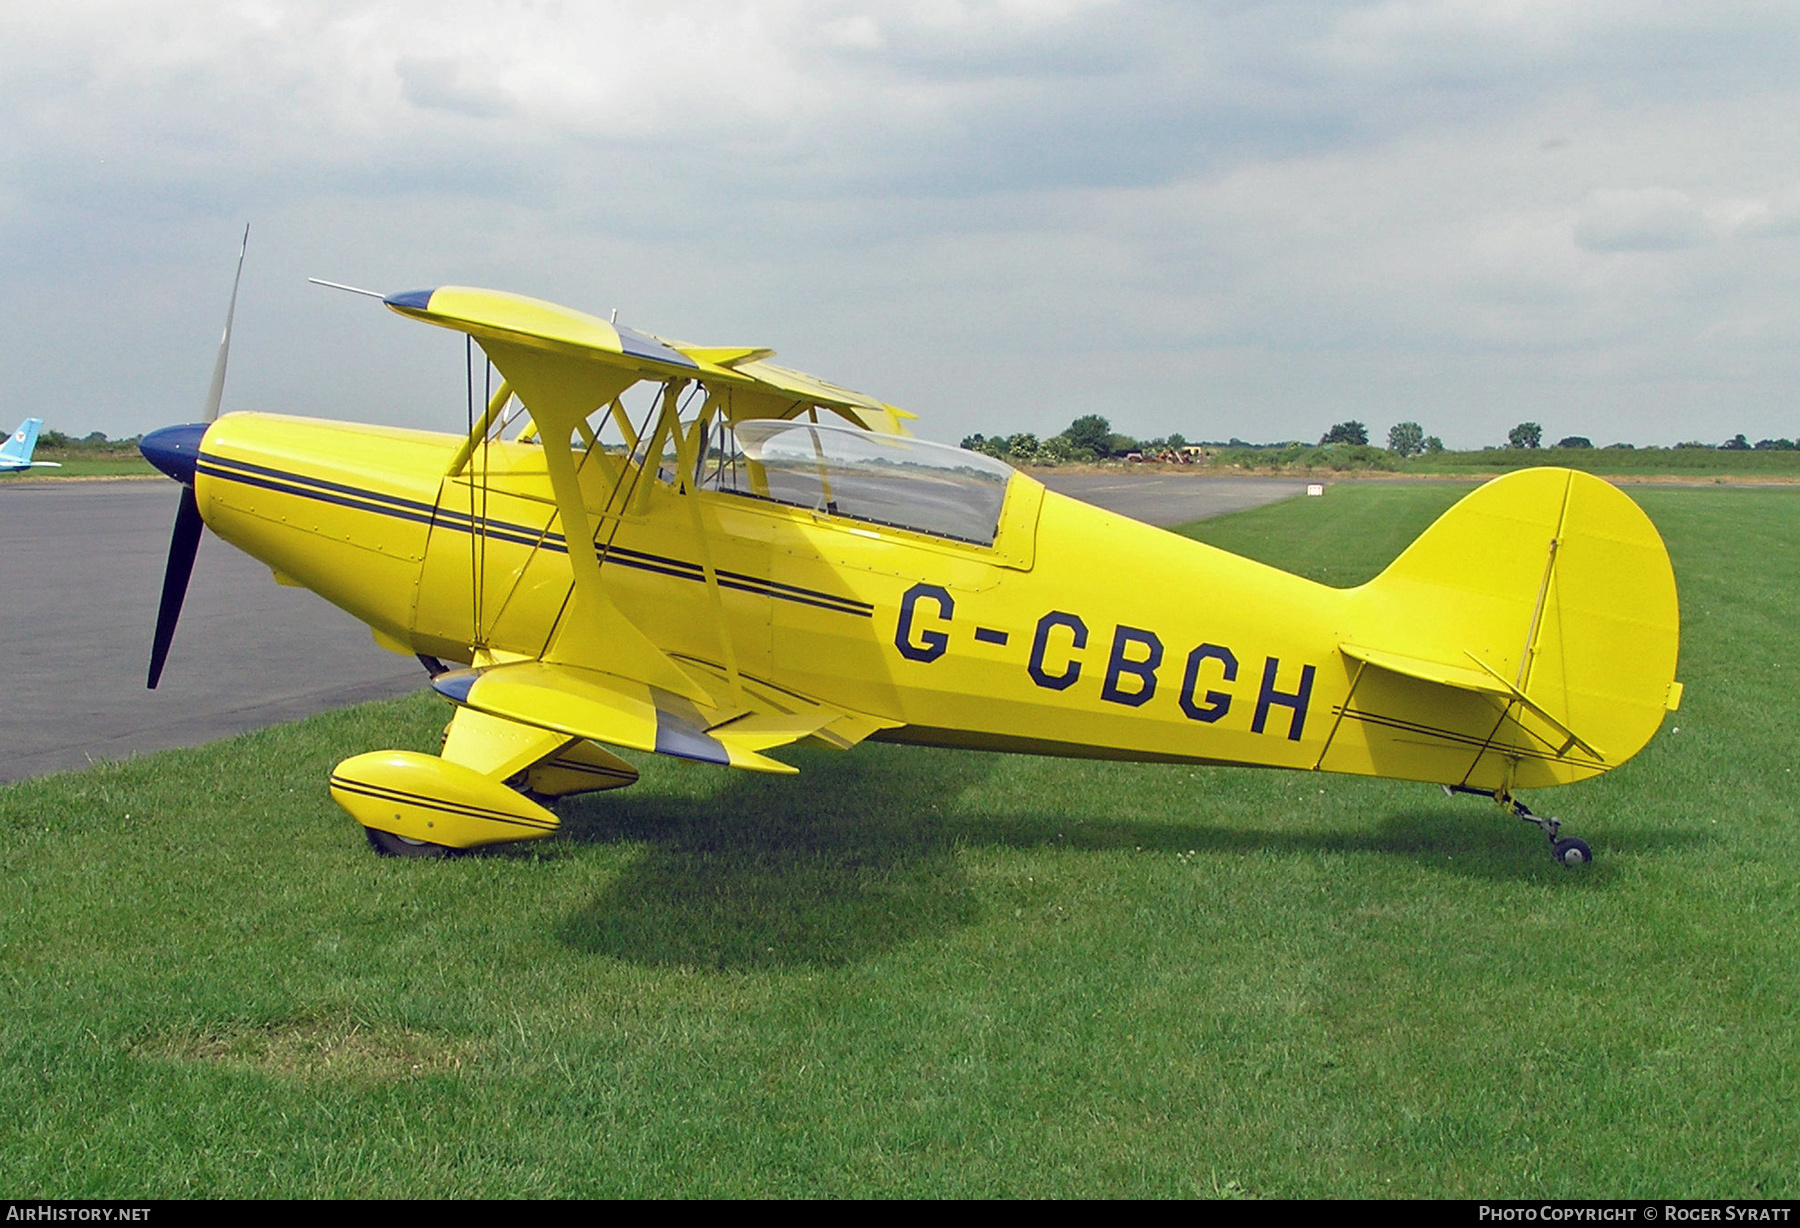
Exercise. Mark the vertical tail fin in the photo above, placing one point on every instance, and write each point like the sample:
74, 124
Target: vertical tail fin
21, 443
1536, 621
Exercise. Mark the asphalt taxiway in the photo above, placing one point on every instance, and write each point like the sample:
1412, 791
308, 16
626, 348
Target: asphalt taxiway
1167, 495
80, 578
81, 573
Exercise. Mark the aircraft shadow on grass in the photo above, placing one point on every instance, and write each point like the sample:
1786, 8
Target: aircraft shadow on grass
865, 860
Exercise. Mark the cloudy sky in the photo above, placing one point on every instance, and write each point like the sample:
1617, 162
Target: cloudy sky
1219, 218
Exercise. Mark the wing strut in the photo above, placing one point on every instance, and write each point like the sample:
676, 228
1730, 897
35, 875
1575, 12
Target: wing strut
692, 452
595, 633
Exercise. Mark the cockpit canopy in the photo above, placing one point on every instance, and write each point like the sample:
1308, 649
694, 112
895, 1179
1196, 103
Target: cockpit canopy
881, 479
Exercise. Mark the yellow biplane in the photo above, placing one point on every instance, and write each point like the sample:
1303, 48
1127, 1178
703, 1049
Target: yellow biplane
687, 549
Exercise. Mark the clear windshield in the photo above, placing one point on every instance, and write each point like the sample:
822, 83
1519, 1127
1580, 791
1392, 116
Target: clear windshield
884, 479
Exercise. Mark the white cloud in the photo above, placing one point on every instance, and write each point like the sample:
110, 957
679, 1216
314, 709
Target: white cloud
1640, 220
441, 83
860, 31
1777, 216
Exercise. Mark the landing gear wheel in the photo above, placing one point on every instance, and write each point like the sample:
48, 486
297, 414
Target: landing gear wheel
389, 845
1572, 852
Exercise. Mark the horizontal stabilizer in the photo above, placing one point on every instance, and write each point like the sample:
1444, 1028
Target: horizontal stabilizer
1479, 679
1462, 677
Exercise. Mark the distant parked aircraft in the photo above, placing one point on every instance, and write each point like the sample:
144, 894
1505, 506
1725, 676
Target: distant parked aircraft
15, 453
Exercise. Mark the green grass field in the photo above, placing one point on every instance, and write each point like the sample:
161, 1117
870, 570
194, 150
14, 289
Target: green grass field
1723, 466
923, 973
122, 465
1617, 462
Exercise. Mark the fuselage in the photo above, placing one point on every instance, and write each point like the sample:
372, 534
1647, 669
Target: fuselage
1076, 632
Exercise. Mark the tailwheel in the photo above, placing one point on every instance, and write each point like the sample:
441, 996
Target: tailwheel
390, 845
1568, 852
1565, 851
1572, 852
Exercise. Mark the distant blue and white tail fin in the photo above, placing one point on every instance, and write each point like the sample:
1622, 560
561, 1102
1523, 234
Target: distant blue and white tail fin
18, 446
16, 452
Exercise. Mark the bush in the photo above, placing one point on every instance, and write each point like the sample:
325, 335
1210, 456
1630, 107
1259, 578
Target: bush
1090, 431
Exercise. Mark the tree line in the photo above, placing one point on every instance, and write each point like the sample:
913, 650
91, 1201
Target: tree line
93, 441
1091, 438
1088, 438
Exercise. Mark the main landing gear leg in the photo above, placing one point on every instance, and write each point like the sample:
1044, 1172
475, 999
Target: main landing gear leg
1568, 852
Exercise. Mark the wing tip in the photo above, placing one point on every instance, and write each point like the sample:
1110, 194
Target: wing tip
411, 300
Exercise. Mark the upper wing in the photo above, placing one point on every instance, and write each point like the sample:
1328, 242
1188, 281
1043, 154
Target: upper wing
759, 389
